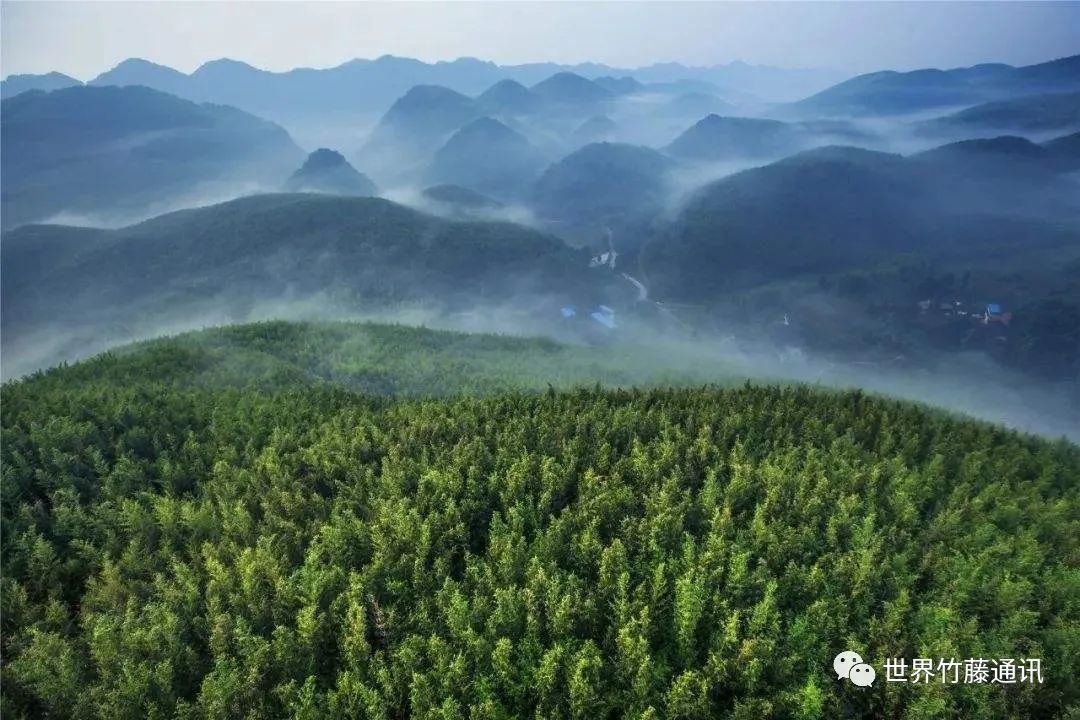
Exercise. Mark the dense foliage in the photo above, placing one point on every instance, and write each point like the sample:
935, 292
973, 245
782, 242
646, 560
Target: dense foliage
603, 183
379, 359
180, 547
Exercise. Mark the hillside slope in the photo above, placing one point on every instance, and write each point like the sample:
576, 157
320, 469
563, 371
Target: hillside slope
488, 157
328, 171
603, 183
282, 549
123, 152
834, 209
897, 93
222, 262
13, 85
1056, 112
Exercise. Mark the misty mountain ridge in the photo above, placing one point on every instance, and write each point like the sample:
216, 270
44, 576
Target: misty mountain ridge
373, 84
13, 85
625, 85
226, 260
460, 199
567, 89
717, 138
598, 128
1054, 112
897, 93
684, 227
699, 104
722, 138
508, 98
413, 128
118, 151
835, 208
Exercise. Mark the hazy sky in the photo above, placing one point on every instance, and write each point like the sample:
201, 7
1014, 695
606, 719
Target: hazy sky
84, 38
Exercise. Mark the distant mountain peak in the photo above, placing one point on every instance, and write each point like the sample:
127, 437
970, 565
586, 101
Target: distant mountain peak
488, 126
142, 63
717, 137
224, 64
568, 87
137, 71
487, 156
418, 94
328, 171
15, 84
508, 96
324, 158
596, 128
894, 93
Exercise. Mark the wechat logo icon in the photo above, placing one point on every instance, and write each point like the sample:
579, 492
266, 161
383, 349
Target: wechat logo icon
850, 665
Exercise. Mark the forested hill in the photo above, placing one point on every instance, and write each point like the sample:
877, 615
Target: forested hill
180, 548
381, 359
80, 288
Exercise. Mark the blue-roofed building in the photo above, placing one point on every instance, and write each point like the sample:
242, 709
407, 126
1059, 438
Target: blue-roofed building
995, 313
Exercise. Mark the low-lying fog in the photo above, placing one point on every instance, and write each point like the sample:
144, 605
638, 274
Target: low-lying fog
966, 383
969, 384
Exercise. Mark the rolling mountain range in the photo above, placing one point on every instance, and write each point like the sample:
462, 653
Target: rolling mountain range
112, 152
511, 151
636, 394
474, 130
1055, 113
224, 260
13, 85
898, 93
838, 208
722, 138
371, 85
716, 138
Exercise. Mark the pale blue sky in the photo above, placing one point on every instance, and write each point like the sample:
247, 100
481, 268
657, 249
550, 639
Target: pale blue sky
85, 38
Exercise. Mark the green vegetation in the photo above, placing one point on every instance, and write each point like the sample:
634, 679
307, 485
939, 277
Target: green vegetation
385, 360
839, 209
604, 183
213, 527
343, 253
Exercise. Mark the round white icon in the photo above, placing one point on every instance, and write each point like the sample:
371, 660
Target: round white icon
843, 663
862, 675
